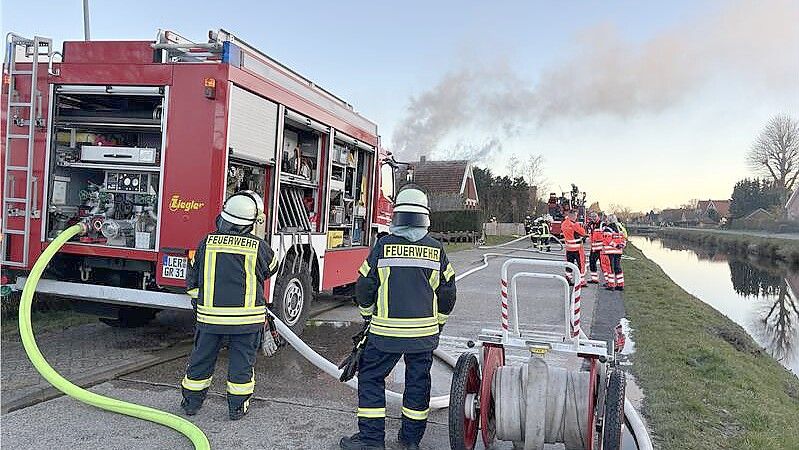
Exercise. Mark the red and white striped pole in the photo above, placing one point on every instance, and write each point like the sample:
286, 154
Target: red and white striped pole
576, 309
504, 300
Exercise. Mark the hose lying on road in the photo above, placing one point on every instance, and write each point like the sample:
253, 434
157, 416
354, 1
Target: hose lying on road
179, 424
637, 426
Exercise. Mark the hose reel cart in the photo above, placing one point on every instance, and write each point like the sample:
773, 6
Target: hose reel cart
528, 400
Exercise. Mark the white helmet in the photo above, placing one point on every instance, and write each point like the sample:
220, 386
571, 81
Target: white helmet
243, 208
410, 208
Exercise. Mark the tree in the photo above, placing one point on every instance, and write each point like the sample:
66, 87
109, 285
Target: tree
775, 152
507, 199
595, 207
513, 166
751, 194
622, 212
534, 173
713, 215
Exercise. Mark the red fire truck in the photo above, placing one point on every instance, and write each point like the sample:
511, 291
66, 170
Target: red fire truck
144, 140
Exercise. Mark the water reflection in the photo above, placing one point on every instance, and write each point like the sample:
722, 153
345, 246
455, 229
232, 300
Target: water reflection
759, 295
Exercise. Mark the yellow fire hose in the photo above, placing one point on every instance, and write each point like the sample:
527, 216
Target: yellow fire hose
179, 424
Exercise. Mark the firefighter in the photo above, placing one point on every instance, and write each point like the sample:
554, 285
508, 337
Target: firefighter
540, 234
595, 234
604, 259
573, 234
225, 280
614, 243
405, 292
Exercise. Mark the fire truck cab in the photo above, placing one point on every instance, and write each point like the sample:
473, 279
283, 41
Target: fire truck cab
144, 140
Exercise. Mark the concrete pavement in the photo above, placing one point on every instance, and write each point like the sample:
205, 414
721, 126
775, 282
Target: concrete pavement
297, 406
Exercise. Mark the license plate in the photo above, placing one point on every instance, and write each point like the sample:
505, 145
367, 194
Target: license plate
174, 267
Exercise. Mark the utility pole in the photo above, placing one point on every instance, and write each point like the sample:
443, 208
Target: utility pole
86, 34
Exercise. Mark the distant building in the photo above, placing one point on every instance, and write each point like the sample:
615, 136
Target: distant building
759, 214
792, 207
680, 217
450, 185
712, 211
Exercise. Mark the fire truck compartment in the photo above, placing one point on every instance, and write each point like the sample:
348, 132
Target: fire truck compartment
105, 164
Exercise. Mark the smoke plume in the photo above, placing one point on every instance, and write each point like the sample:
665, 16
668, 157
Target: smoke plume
757, 42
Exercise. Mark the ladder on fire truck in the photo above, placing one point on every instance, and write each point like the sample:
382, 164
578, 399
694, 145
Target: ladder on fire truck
19, 165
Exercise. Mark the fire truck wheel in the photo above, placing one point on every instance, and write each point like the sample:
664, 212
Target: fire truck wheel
131, 317
292, 301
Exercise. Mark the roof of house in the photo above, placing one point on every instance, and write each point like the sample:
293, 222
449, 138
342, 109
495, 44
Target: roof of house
722, 207
441, 177
792, 200
759, 213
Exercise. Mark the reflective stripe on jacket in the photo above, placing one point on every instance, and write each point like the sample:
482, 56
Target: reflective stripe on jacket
614, 241
573, 233
596, 240
408, 290
226, 282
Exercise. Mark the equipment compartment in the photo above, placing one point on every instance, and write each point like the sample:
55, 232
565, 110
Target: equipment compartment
105, 164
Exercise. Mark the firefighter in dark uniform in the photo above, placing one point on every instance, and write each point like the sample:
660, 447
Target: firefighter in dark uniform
405, 292
225, 280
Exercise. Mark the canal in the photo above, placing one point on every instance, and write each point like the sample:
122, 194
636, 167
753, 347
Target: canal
761, 296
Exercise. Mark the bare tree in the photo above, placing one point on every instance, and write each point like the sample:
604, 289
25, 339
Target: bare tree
775, 152
534, 173
622, 212
513, 166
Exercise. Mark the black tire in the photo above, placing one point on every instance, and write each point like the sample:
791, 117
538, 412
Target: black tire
131, 317
459, 436
293, 294
614, 411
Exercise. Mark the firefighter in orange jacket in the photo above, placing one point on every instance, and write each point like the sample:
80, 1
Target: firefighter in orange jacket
573, 234
614, 243
595, 233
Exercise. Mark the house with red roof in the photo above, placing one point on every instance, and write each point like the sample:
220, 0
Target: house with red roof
720, 209
450, 185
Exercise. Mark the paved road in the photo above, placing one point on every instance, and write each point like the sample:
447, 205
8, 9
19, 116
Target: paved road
296, 405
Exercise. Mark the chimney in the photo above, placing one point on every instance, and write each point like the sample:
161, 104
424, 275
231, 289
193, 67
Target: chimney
422, 158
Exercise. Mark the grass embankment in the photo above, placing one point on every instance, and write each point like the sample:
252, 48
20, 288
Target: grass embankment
50, 314
707, 385
776, 248
450, 247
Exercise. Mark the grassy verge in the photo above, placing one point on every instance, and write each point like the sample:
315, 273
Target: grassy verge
43, 321
707, 384
776, 248
451, 247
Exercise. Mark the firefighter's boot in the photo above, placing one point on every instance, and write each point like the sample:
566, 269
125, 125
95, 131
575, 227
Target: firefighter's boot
354, 443
238, 413
407, 445
190, 406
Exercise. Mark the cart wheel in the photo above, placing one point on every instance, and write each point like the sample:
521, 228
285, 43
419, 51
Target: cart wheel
614, 411
463, 417
493, 357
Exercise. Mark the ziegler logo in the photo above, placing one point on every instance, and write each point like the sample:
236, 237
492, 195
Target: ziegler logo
177, 204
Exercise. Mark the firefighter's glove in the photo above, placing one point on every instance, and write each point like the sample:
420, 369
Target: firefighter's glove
349, 366
270, 340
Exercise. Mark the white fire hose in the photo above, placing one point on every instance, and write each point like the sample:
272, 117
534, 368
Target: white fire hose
442, 401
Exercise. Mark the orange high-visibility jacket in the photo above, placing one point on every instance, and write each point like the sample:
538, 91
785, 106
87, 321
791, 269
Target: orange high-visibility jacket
572, 234
597, 240
614, 242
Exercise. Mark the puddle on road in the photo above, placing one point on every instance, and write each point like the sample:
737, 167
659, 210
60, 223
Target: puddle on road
633, 392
